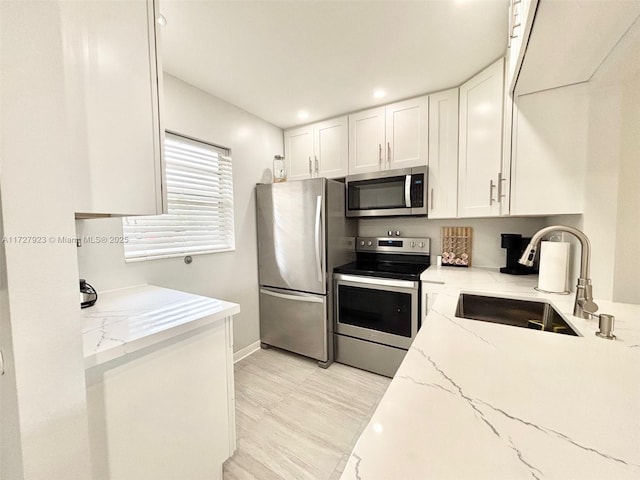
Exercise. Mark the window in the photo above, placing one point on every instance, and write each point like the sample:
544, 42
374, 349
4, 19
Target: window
199, 186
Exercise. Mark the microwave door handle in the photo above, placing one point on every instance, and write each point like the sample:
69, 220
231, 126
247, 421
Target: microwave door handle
318, 242
407, 191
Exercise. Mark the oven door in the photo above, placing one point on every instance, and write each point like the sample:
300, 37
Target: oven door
380, 310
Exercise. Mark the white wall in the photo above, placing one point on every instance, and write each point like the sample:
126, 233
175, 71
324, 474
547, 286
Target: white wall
612, 194
231, 276
626, 275
486, 250
44, 388
10, 442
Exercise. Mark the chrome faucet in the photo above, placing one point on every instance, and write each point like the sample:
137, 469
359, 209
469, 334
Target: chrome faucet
584, 306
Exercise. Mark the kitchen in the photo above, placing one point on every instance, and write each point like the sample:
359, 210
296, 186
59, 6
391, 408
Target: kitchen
47, 354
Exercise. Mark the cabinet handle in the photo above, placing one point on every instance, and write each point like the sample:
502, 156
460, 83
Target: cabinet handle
491, 187
380, 153
316, 158
431, 200
500, 194
388, 152
310, 171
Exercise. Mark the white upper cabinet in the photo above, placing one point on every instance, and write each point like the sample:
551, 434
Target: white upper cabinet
521, 15
481, 143
570, 40
395, 136
550, 152
318, 150
298, 152
443, 154
111, 68
331, 148
407, 133
366, 140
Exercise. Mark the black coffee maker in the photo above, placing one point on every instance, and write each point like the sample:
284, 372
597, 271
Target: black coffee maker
515, 245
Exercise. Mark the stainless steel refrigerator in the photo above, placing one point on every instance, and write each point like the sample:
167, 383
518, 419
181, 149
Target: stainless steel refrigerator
302, 235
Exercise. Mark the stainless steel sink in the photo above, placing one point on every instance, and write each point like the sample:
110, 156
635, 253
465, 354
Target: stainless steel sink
533, 314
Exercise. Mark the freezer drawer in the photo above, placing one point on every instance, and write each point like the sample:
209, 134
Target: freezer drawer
294, 321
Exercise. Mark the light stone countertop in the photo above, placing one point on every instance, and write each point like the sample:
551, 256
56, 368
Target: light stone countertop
474, 400
128, 319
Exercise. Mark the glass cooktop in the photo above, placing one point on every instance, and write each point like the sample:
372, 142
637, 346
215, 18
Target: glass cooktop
377, 268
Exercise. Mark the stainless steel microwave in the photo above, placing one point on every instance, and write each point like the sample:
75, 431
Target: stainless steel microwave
387, 194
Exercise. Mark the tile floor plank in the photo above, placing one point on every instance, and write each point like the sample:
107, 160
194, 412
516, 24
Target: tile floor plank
295, 420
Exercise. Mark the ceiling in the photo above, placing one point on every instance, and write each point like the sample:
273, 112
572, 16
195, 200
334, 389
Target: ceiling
277, 58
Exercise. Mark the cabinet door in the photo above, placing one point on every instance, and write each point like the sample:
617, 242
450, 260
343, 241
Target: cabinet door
298, 152
185, 389
366, 141
443, 154
407, 133
331, 148
480, 156
550, 152
111, 68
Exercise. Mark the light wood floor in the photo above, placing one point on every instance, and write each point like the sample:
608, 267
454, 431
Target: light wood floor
296, 420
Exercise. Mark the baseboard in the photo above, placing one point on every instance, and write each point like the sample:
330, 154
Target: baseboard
246, 351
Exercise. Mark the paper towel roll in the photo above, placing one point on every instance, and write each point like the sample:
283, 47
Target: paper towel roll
554, 262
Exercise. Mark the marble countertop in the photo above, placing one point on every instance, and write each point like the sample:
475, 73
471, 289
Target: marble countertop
474, 400
128, 319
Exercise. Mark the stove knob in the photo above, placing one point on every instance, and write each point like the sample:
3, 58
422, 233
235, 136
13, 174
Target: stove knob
362, 243
369, 243
397, 233
413, 244
421, 245
390, 233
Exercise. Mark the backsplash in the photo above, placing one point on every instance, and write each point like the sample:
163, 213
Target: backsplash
486, 233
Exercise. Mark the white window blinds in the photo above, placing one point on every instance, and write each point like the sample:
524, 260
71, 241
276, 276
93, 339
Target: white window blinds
199, 185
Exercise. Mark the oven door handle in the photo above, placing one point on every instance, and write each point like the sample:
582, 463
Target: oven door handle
318, 231
384, 282
407, 191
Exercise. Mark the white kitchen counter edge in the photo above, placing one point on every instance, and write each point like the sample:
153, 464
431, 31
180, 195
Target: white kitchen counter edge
129, 319
474, 400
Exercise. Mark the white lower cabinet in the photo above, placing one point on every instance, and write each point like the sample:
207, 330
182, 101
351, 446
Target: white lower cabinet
549, 156
481, 143
165, 412
442, 200
317, 150
430, 291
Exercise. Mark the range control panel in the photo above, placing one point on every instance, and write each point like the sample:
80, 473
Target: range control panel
413, 245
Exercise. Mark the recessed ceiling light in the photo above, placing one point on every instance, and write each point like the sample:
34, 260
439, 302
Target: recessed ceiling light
303, 115
162, 21
379, 93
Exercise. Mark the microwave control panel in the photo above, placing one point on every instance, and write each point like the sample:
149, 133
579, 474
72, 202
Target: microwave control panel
417, 190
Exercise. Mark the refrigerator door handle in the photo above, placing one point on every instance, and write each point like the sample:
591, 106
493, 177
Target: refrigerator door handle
317, 239
296, 297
